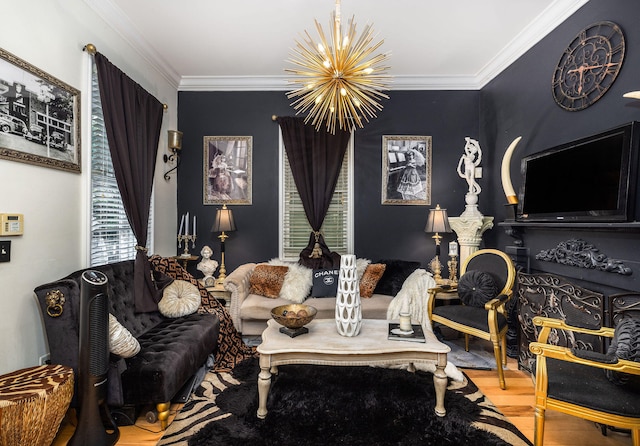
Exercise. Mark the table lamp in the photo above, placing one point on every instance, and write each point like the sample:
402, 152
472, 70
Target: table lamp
223, 223
437, 222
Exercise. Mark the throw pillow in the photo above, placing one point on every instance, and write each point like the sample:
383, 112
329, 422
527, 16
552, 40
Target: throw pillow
396, 272
325, 282
266, 280
179, 299
476, 288
297, 281
121, 341
625, 345
361, 267
370, 278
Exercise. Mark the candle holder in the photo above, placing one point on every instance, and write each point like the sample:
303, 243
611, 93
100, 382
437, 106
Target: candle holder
453, 269
186, 239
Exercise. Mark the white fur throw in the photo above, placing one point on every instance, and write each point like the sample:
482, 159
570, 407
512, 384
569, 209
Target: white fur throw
179, 299
414, 297
361, 266
297, 281
121, 341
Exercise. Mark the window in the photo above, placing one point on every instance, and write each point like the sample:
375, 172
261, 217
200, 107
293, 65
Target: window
112, 239
337, 228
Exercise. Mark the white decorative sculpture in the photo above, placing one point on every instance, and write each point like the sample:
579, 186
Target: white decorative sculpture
348, 309
207, 266
470, 226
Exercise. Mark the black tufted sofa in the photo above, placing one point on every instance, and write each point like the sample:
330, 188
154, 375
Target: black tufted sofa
171, 350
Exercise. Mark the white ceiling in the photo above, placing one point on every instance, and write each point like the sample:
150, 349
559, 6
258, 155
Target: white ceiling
245, 44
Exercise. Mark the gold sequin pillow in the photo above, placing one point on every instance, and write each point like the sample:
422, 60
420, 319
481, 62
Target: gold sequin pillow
267, 280
370, 278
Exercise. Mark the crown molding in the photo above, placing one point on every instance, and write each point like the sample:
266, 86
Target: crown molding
556, 13
120, 23
548, 20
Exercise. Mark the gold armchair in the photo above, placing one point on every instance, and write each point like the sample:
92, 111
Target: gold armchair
578, 386
487, 322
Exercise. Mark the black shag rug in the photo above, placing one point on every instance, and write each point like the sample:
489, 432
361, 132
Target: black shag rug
321, 405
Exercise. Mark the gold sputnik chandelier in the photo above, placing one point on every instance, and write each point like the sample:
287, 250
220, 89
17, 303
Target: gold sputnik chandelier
338, 81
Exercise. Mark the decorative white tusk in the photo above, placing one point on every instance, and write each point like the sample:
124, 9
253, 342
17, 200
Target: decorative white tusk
505, 172
632, 95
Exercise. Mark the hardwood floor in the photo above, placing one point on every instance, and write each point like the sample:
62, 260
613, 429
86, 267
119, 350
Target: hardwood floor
516, 402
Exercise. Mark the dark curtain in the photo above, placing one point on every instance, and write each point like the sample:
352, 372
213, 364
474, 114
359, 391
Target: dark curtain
132, 118
315, 158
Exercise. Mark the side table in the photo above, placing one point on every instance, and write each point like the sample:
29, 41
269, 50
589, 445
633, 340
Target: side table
219, 293
33, 402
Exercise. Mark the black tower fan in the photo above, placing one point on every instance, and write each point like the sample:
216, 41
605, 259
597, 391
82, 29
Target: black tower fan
95, 425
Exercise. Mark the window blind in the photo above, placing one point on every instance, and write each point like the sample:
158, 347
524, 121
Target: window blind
112, 239
336, 228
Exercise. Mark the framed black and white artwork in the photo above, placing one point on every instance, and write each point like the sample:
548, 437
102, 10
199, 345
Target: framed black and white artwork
39, 116
227, 169
406, 170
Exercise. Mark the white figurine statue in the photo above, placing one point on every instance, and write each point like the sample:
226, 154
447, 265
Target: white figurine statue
470, 161
207, 266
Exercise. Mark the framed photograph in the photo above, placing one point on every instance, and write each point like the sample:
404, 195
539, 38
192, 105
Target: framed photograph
406, 170
227, 169
39, 116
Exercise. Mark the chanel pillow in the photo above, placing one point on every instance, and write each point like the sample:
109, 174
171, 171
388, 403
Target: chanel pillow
325, 282
179, 299
121, 341
476, 288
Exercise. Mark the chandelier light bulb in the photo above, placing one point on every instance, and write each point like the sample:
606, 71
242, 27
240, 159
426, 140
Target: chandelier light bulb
339, 85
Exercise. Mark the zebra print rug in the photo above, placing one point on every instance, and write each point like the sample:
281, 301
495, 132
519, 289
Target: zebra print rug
222, 410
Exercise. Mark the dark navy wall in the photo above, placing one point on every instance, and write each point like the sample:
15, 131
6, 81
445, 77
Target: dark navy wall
388, 231
519, 103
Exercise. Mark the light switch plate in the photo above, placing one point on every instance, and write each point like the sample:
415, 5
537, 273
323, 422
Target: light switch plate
5, 250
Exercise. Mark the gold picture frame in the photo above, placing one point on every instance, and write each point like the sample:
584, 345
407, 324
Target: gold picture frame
39, 116
406, 170
227, 169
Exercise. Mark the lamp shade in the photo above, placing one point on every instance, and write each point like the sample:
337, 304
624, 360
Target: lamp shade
174, 139
224, 221
438, 221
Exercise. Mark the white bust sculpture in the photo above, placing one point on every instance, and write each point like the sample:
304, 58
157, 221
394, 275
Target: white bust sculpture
468, 163
207, 266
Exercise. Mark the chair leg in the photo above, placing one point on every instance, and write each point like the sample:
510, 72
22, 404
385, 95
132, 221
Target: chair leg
504, 350
497, 352
538, 427
635, 437
466, 342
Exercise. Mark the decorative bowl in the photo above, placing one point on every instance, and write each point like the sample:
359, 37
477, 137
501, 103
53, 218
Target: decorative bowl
294, 316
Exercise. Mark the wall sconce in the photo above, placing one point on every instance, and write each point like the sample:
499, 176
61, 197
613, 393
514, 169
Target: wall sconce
174, 143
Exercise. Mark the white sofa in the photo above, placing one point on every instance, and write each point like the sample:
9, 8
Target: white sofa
250, 312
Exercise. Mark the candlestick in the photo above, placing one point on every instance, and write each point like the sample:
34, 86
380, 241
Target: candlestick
194, 226
186, 231
181, 225
453, 248
453, 270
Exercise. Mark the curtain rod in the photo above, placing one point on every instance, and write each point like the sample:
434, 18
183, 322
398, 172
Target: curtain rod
91, 49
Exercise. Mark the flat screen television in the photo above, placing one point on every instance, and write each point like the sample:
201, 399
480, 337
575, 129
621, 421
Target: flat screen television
592, 179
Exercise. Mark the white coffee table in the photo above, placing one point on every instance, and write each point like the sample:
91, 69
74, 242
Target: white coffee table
324, 346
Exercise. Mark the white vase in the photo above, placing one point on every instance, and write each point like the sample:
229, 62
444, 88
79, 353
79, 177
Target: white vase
348, 309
